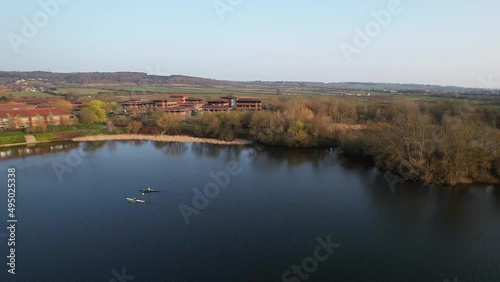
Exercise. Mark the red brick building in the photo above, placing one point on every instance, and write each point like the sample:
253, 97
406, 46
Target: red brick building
214, 108
29, 117
248, 104
218, 103
136, 105
163, 104
180, 98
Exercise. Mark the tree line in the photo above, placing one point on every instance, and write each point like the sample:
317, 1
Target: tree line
441, 141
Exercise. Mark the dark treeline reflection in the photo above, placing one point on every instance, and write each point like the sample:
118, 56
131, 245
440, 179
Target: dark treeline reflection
425, 207
93, 146
316, 158
294, 157
171, 148
216, 151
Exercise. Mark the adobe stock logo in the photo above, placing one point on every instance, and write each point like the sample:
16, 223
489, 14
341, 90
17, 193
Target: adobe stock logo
223, 6
121, 277
364, 37
310, 264
488, 82
201, 200
31, 27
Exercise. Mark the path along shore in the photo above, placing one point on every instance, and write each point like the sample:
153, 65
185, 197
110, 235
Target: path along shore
160, 138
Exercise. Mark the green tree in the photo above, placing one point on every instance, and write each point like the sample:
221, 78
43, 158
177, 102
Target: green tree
88, 116
231, 124
170, 123
93, 112
40, 124
134, 127
61, 105
50, 120
13, 122
298, 135
208, 125
110, 106
268, 127
110, 125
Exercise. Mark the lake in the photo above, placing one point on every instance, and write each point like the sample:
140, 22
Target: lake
257, 214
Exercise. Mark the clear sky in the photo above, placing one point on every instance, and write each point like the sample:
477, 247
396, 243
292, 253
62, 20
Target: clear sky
446, 42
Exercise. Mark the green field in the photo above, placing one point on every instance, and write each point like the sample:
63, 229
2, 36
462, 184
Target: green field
80, 91
66, 135
28, 95
12, 137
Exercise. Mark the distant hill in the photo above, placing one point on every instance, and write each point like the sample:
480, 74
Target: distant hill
142, 79
114, 78
367, 86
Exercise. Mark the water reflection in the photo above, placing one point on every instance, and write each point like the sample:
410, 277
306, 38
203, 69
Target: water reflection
205, 150
496, 195
380, 228
39, 149
421, 207
272, 157
138, 143
93, 146
112, 146
171, 148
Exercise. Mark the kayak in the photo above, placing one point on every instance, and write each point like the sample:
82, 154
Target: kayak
148, 191
135, 201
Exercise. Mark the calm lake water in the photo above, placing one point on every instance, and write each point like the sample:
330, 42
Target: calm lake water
280, 204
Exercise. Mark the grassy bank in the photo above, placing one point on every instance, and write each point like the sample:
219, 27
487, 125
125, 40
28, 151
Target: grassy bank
11, 137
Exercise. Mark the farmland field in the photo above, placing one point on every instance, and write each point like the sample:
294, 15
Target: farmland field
80, 91
28, 94
11, 137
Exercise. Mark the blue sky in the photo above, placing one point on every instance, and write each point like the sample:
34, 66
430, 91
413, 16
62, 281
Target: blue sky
446, 42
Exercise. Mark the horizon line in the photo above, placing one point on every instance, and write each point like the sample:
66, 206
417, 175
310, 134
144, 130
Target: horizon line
258, 80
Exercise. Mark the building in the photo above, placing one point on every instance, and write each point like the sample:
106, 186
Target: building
181, 111
218, 103
77, 104
215, 108
231, 100
18, 106
191, 106
248, 104
163, 104
136, 105
33, 102
194, 100
180, 98
29, 117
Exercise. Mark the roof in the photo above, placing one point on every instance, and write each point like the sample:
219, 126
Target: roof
165, 101
33, 112
136, 103
194, 99
12, 106
229, 97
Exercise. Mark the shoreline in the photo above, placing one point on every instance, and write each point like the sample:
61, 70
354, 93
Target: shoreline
160, 138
